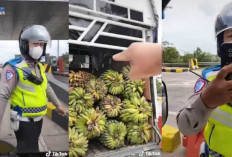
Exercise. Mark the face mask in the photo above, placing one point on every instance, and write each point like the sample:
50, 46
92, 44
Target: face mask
35, 52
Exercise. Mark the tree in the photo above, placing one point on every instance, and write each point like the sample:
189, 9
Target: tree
65, 58
186, 57
171, 55
197, 53
159, 87
216, 58
203, 56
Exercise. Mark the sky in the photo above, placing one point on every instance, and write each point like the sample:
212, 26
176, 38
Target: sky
190, 24
9, 48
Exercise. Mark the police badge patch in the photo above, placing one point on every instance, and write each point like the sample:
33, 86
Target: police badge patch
199, 85
9, 75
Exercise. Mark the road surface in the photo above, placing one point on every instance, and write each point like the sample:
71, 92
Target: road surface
179, 88
62, 79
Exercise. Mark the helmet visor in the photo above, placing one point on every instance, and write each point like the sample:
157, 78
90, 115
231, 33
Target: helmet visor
224, 19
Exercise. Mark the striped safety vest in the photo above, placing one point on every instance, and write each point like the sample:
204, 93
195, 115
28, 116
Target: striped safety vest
28, 99
218, 131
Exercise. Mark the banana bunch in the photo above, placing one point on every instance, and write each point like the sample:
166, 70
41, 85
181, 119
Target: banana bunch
97, 88
86, 76
111, 105
114, 135
71, 75
78, 143
91, 123
79, 79
114, 81
136, 110
139, 133
72, 117
133, 89
125, 72
75, 80
80, 100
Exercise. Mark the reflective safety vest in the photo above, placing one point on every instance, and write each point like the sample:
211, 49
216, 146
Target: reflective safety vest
28, 99
218, 131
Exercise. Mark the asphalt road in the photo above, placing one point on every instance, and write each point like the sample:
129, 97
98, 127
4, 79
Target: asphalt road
180, 87
62, 78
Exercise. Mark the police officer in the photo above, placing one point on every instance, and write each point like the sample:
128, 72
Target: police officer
210, 105
24, 82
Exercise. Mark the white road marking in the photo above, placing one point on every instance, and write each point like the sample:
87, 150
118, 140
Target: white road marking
42, 144
184, 83
179, 85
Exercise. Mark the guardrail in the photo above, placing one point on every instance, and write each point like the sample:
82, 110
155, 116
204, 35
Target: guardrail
208, 63
187, 64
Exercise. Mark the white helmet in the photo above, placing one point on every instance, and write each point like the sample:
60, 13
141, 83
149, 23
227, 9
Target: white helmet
34, 34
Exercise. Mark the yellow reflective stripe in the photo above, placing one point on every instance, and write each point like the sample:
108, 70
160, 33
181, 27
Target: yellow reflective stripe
221, 119
26, 86
213, 73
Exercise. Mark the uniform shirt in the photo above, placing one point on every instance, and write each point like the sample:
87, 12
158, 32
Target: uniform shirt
7, 87
194, 116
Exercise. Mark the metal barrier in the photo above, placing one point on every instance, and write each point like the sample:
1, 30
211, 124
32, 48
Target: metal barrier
208, 63
193, 64
175, 64
101, 32
96, 16
200, 64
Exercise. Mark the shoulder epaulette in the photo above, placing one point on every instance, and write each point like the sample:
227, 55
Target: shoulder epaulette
13, 62
210, 69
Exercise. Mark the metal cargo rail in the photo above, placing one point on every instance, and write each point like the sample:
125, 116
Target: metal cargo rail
107, 20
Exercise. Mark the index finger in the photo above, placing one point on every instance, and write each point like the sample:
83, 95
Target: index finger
122, 56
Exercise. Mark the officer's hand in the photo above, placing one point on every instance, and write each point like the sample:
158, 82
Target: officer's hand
145, 59
219, 92
61, 110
